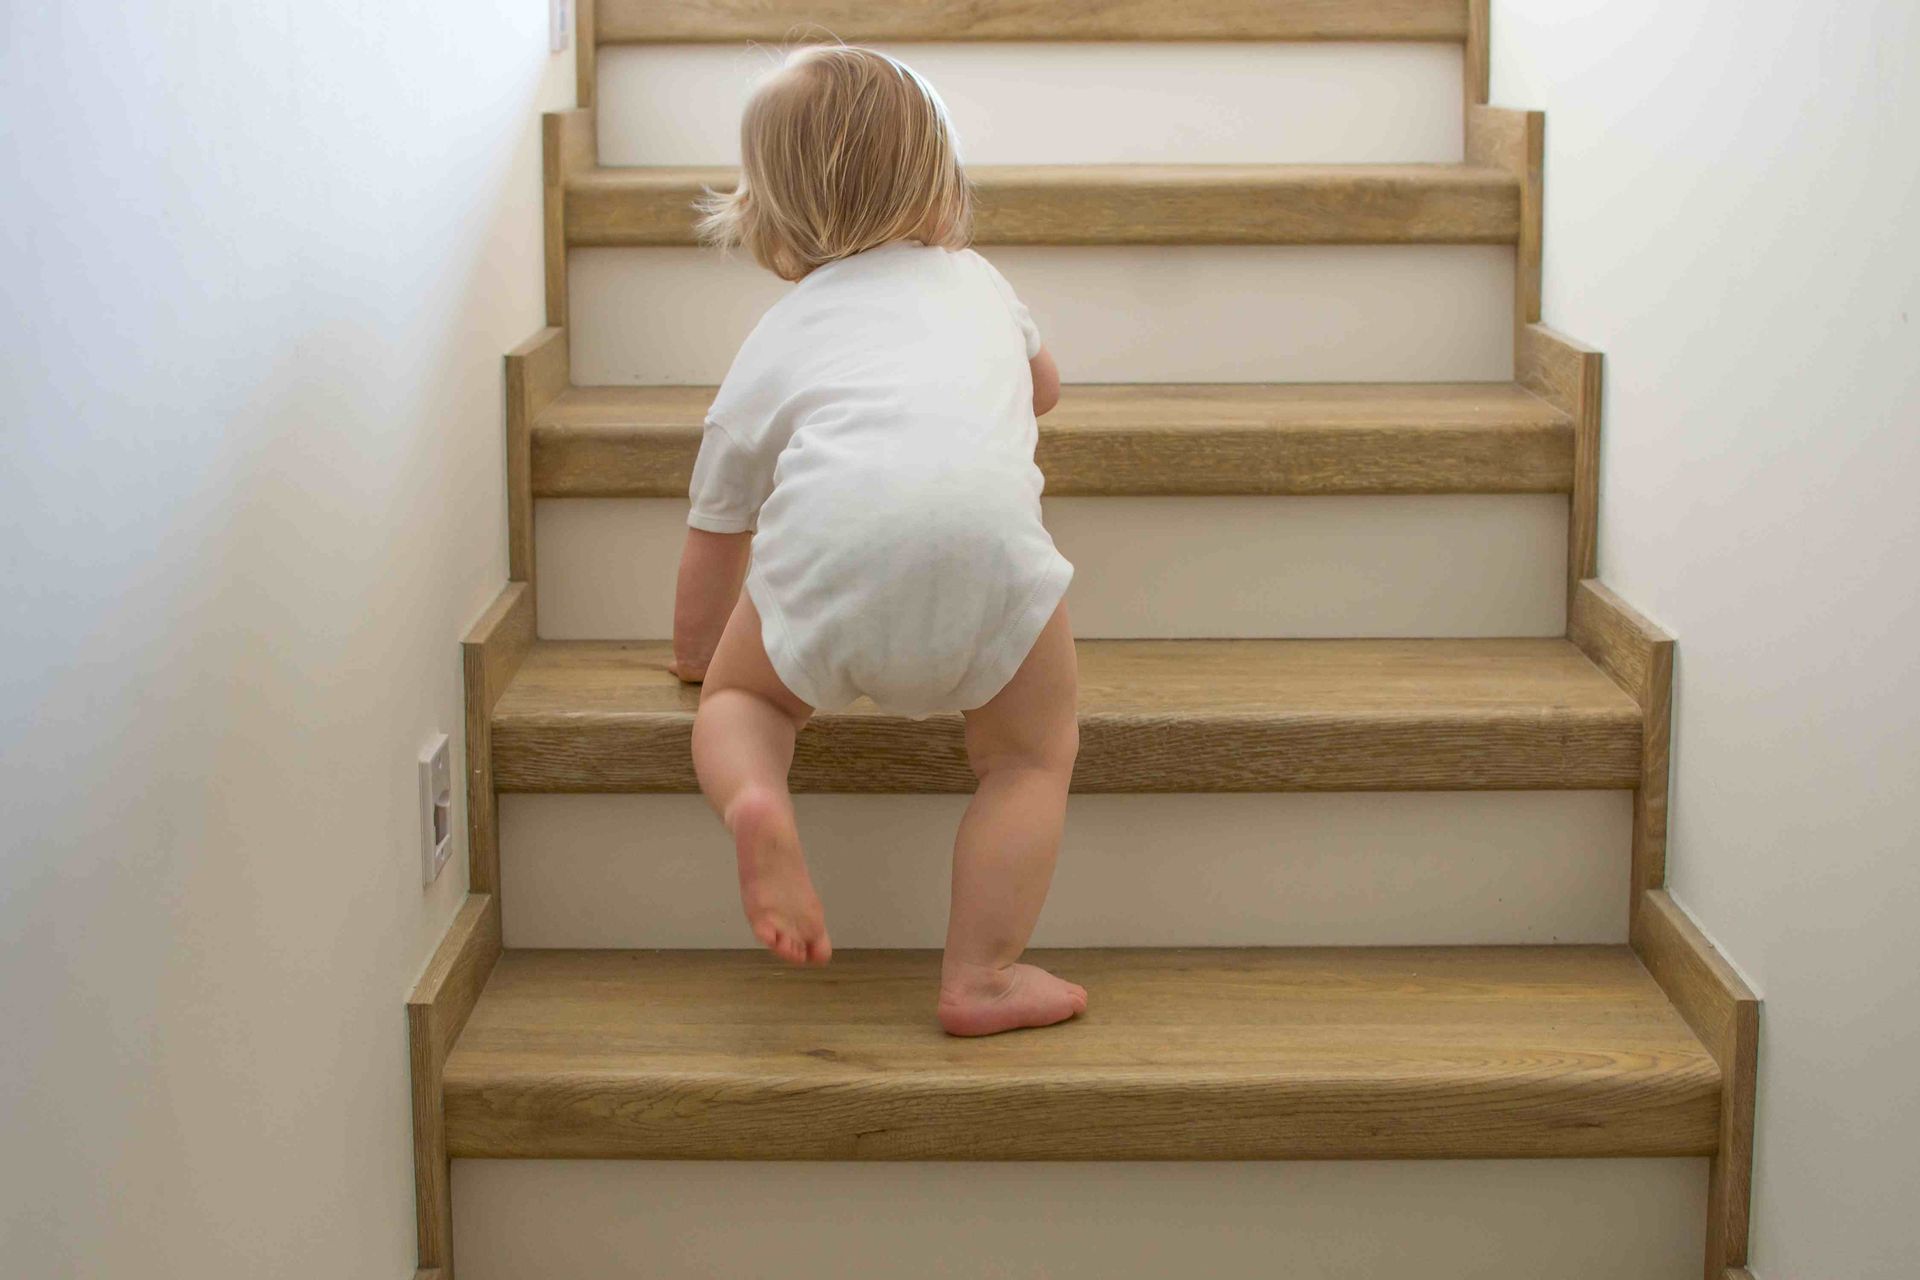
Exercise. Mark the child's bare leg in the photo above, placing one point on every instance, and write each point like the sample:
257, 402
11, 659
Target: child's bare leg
742, 748
1022, 747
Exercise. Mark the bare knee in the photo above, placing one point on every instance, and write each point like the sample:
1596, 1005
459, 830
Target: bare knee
1050, 746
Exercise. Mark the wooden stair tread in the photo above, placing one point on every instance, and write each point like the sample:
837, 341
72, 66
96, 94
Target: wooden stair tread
1184, 1054
687, 21
1125, 204
1156, 715
1144, 438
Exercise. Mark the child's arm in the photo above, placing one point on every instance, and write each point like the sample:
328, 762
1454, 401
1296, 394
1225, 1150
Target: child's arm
1046, 382
712, 568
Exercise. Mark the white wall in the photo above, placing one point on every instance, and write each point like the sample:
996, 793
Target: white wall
1733, 197
260, 262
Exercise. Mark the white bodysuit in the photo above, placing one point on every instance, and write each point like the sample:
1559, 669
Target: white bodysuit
877, 430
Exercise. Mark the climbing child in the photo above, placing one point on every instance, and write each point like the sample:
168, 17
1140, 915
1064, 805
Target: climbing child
872, 446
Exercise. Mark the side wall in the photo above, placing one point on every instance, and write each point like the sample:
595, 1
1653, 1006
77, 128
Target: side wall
1731, 196
260, 263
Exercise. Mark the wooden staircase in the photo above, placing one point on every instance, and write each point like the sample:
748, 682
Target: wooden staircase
1140, 439
1126, 204
1208, 1054
1274, 1053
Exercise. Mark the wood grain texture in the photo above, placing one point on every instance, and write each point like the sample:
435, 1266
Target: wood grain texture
1137, 439
1624, 644
1639, 656
704, 21
1569, 377
537, 373
490, 656
586, 54
569, 146
436, 1012
1479, 62
1725, 1014
1515, 142
1205, 715
1356, 1053
1126, 204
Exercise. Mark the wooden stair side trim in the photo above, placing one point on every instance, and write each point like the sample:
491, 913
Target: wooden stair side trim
1515, 142
436, 1012
490, 654
1478, 66
1140, 440
1639, 657
1127, 204
1724, 1012
1621, 642
586, 55
1568, 376
569, 145
537, 372
855, 21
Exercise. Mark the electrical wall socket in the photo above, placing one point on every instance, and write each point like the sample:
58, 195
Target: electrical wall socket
557, 23
436, 807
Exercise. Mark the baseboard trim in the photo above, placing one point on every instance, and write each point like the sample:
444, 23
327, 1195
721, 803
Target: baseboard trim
490, 654
436, 1012
1639, 657
1503, 138
1567, 376
586, 53
537, 371
569, 145
1479, 66
1724, 1012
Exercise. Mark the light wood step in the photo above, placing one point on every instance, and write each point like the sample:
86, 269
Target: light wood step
1141, 439
1155, 715
690, 21
1125, 204
1184, 1054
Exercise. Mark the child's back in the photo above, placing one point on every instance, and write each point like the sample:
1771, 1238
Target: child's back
880, 423
870, 454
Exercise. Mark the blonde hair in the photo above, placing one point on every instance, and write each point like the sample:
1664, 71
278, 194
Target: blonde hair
843, 149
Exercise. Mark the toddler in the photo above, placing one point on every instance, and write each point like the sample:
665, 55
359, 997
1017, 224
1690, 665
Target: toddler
873, 441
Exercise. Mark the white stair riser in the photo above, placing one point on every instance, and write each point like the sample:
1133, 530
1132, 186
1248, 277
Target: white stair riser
1465, 565
1081, 103
1412, 868
1221, 313
1438, 1220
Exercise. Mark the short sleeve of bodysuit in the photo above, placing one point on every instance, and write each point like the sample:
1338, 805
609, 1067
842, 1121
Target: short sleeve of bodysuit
730, 481
733, 474
1021, 316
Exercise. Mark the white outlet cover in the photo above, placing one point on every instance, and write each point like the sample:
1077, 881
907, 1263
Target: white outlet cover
557, 16
436, 807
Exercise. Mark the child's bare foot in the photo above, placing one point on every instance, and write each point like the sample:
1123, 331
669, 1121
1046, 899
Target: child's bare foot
983, 1001
775, 889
